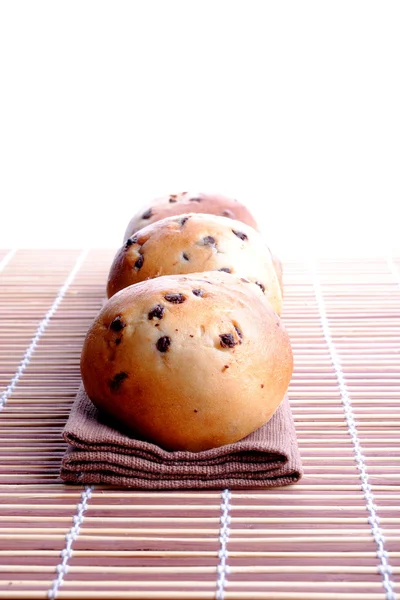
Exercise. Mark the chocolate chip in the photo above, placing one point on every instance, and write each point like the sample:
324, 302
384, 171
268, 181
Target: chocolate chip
198, 292
191, 335
130, 241
139, 262
224, 368
209, 240
117, 324
185, 256
240, 334
262, 385
173, 197
147, 214
172, 200
156, 313
227, 340
117, 380
175, 298
194, 199
240, 235
118, 341
195, 410
260, 285
183, 221
225, 270
163, 343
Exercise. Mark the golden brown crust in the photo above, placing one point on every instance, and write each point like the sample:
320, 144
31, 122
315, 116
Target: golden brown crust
189, 202
189, 362
192, 243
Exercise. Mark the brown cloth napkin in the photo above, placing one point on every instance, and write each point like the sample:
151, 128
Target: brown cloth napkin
269, 457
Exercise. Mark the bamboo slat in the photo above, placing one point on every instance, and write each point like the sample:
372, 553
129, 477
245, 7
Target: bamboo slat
335, 535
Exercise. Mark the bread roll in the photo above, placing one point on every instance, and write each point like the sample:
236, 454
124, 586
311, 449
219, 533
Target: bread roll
189, 362
198, 202
192, 243
188, 202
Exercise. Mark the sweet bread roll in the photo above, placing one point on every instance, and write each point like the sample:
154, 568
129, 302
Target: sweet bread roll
193, 243
188, 202
189, 362
198, 202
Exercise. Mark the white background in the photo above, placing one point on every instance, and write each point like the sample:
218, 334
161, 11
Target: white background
292, 107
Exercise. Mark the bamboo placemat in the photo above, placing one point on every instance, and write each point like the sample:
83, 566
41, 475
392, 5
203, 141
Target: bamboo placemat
336, 534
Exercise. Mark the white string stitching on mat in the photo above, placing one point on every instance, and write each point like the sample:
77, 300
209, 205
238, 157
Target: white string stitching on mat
6, 259
40, 330
71, 537
373, 519
223, 568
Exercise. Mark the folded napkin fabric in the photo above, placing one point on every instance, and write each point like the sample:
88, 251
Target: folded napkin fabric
100, 453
